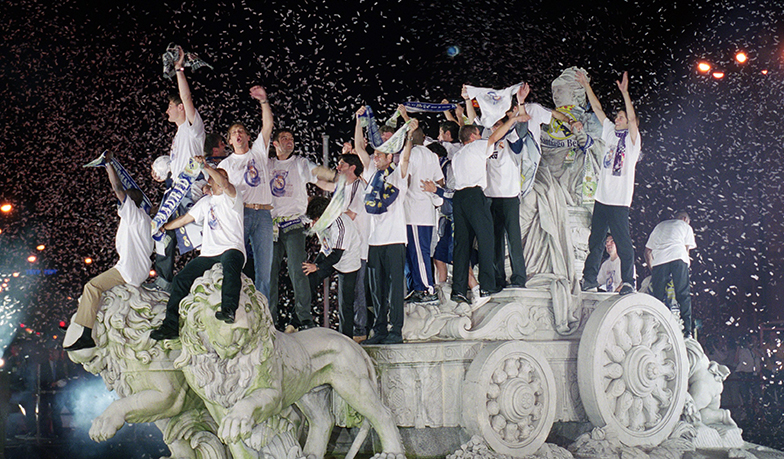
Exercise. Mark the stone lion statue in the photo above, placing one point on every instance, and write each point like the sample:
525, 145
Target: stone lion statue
142, 373
249, 375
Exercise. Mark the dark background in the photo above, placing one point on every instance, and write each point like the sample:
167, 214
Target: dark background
77, 78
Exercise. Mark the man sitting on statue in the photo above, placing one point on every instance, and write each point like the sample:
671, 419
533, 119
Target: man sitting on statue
223, 242
134, 245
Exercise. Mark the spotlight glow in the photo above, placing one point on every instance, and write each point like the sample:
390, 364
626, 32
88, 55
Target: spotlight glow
32, 258
703, 67
88, 261
718, 75
741, 57
40, 247
765, 72
6, 208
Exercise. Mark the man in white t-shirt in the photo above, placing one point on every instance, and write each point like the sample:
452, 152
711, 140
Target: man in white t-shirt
448, 132
384, 201
421, 218
667, 253
134, 245
471, 211
351, 167
609, 277
223, 242
615, 187
289, 176
248, 169
340, 250
187, 143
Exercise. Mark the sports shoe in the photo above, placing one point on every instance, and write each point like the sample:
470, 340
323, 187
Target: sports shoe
586, 286
225, 316
459, 298
626, 289
392, 338
413, 297
162, 333
375, 339
84, 342
427, 298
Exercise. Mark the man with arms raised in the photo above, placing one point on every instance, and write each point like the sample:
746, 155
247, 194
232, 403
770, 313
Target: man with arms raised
248, 170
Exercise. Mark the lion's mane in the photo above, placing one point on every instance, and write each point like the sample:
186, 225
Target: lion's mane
220, 378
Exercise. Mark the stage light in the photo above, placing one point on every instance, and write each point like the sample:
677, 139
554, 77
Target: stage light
152, 273
765, 72
31, 258
703, 67
741, 57
718, 75
88, 260
63, 325
40, 247
15, 274
6, 208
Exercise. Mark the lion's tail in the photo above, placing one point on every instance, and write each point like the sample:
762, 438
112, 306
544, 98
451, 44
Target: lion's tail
359, 440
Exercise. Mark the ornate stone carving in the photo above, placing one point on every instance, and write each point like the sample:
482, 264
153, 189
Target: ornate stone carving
509, 398
142, 373
632, 368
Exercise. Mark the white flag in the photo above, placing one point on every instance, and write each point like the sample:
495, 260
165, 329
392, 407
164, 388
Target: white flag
494, 103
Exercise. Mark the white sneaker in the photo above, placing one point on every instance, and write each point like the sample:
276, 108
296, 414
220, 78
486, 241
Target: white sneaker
475, 293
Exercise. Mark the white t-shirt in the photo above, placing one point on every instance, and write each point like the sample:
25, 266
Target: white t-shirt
503, 169
671, 240
609, 277
222, 227
342, 234
134, 243
249, 173
539, 116
187, 143
288, 179
617, 190
422, 165
355, 202
470, 165
390, 227
450, 147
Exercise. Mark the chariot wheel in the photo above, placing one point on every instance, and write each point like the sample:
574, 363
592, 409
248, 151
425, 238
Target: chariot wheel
633, 370
509, 398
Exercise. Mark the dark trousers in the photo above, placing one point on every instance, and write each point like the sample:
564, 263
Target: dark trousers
232, 261
292, 244
385, 274
506, 224
471, 215
678, 270
360, 302
164, 264
616, 219
346, 284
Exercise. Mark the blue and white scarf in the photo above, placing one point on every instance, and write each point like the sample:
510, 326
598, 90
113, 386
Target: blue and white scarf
182, 185
125, 178
380, 194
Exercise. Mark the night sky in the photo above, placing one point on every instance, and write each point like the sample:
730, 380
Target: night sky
81, 77
78, 78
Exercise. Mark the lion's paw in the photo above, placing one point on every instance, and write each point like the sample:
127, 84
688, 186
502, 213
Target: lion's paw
389, 456
105, 426
237, 423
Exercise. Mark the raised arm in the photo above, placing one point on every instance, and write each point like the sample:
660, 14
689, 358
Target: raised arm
117, 187
448, 114
219, 178
631, 116
182, 86
499, 133
359, 140
267, 121
597, 107
404, 157
403, 112
470, 112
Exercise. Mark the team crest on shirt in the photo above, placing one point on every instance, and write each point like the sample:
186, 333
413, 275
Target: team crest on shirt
252, 174
609, 157
493, 96
212, 219
278, 183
